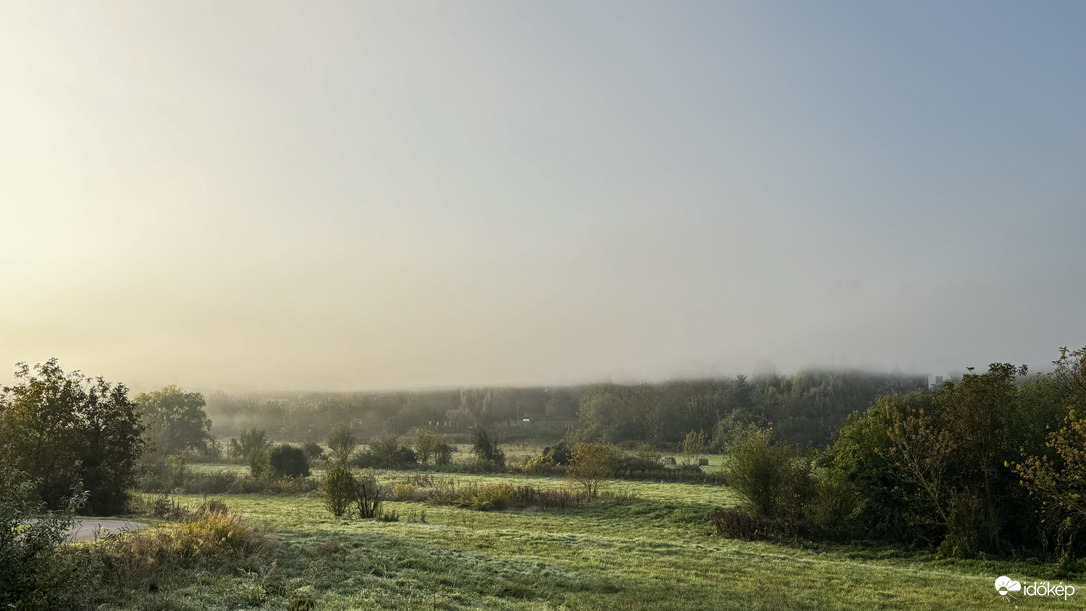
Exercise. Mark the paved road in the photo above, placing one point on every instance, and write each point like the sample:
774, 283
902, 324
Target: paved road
89, 528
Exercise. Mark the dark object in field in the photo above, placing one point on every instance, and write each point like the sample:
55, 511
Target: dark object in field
703, 462
669, 461
289, 461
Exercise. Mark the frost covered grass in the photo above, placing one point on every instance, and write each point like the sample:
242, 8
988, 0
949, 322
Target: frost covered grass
650, 547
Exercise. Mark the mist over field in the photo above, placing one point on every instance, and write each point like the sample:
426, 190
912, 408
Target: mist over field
346, 196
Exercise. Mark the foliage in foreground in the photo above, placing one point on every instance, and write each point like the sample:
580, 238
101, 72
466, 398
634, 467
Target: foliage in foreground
35, 573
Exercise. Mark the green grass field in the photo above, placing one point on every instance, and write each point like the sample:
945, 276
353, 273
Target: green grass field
652, 547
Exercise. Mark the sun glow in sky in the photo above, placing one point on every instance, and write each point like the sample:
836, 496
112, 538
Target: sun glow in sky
357, 195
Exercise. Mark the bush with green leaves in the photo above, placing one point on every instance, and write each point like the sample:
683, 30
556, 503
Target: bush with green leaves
36, 572
729, 431
174, 421
774, 481
560, 453
1057, 478
338, 490
428, 442
288, 461
443, 454
313, 450
386, 453
66, 428
252, 447
590, 466
341, 443
485, 447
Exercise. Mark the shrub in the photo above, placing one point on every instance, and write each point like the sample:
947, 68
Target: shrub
215, 537
386, 453
251, 447
541, 465
167, 509
485, 447
338, 490
367, 495
1059, 482
427, 442
773, 480
288, 461
313, 450
341, 444
696, 442
646, 453
835, 510
636, 467
590, 466
215, 506
730, 431
35, 571
560, 453
443, 454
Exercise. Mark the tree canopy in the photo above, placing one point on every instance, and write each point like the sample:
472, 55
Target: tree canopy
71, 433
175, 420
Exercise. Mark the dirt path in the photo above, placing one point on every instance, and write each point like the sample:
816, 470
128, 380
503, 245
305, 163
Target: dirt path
89, 528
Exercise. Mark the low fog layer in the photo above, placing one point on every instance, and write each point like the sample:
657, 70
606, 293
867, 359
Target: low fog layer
342, 196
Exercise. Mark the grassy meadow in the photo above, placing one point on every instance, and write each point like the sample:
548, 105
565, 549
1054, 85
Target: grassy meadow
649, 546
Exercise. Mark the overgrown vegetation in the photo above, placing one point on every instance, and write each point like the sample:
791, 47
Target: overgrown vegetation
34, 572
210, 539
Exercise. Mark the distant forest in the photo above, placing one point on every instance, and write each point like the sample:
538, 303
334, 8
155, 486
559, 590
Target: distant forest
805, 408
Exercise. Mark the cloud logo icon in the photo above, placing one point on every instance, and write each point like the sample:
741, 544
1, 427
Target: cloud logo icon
1005, 584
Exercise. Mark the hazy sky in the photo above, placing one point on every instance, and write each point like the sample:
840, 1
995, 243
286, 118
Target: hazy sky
356, 195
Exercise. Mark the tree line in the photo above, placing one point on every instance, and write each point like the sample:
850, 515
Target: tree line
992, 463
804, 408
